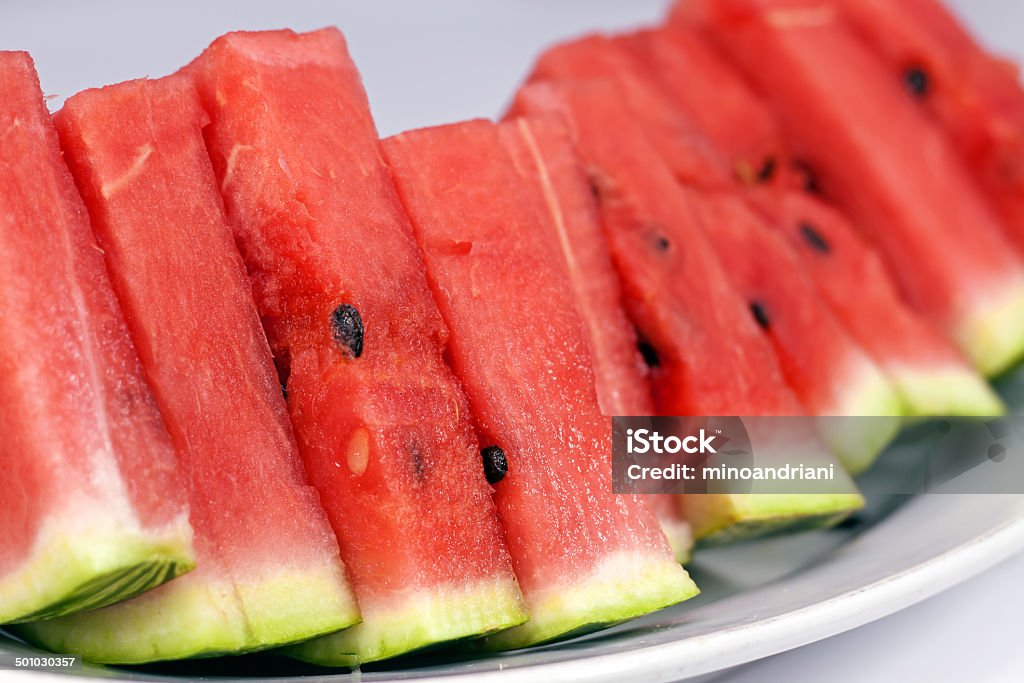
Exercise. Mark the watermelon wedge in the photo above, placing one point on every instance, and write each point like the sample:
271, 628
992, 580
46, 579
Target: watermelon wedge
267, 556
932, 376
552, 174
584, 556
382, 424
94, 507
882, 160
709, 355
830, 373
975, 96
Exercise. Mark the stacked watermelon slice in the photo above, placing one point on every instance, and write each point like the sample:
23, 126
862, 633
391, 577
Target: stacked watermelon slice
271, 382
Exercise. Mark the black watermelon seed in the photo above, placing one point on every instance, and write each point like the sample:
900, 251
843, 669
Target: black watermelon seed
767, 171
810, 178
662, 243
495, 464
760, 314
347, 329
649, 353
814, 239
917, 82
595, 188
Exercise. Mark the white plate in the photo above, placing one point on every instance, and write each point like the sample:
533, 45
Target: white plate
848, 577
434, 62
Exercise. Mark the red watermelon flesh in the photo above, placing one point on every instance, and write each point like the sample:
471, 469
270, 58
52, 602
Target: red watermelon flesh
583, 555
691, 158
883, 161
934, 380
137, 152
932, 375
710, 357
975, 96
695, 78
828, 369
382, 424
656, 243
546, 159
94, 508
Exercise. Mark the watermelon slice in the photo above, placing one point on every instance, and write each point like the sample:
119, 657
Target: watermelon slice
932, 376
94, 508
382, 424
267, 556
552, 174
828, 369
709, 355
831, 374
584, 556
881, 159
975, 96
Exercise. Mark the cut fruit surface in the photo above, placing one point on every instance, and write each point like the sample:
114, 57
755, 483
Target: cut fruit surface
698, 82
828, 369
689, 154
382, 424
546, 159
709, 357
975, 96
137, 152
931, 375
94, 508
882, 160
519, 349
830, 373
933, 378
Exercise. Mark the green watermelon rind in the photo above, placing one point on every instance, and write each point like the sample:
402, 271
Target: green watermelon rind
624, 586
203, 622
429, 618
742, 517
992, 335
71, 571
195, 618
296, 605
947, 392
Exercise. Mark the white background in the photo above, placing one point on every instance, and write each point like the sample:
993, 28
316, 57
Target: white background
413, 54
